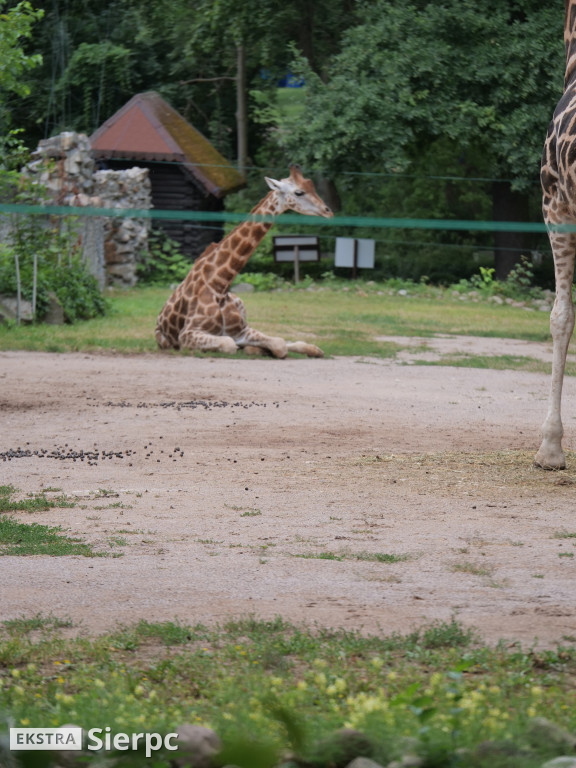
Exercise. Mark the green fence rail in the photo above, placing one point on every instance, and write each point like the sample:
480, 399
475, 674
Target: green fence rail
288, 218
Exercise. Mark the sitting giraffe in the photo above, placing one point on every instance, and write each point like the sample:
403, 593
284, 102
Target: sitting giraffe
558, 175
202, 314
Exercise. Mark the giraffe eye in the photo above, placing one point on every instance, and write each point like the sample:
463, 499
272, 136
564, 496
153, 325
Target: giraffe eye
299, 193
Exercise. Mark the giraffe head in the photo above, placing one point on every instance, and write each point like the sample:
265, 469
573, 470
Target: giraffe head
298, 194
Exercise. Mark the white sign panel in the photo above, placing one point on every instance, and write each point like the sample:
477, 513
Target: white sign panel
285, 247
345, 252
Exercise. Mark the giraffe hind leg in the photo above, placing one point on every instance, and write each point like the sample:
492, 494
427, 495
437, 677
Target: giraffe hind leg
550, 454
162, 341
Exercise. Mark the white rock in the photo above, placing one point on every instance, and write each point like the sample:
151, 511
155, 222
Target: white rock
197, 747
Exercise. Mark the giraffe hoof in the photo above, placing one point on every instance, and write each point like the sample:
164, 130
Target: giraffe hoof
228, 346
549, 466
550, 462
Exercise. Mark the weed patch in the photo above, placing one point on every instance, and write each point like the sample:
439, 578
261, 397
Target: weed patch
373, 557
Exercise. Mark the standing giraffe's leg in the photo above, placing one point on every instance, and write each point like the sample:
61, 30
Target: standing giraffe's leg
550, 455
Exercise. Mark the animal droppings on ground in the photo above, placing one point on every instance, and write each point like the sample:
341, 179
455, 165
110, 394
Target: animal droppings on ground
207, 405
90, 456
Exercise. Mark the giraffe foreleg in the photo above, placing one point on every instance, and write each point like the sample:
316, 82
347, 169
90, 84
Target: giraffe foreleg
250, 337
550, 454
193, 338
303, 348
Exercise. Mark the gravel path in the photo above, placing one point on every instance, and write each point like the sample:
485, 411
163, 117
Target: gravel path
359, 493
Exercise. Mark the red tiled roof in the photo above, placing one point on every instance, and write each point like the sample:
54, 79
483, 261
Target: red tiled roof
148, 128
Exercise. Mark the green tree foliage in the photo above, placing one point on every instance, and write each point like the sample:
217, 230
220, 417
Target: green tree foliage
15, 25
459, 88
97, 54
416, 89
483, 74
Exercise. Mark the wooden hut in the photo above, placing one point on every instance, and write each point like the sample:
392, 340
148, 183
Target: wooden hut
186, 171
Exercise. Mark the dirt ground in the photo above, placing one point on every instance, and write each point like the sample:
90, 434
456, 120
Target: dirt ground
361, 493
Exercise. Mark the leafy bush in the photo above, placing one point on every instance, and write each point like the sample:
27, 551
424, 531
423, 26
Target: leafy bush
519, 285
262, 281
59, 270
41, 255
164, 262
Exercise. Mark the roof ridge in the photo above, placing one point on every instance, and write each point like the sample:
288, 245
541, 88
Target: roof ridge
148, 128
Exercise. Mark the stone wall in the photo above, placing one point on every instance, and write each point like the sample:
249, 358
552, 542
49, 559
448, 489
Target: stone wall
126, 239
64, 166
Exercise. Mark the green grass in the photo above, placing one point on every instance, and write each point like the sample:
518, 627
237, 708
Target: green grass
267, 687
495, 362
33, 503
37, 623
35, 539
17, 538
340, 322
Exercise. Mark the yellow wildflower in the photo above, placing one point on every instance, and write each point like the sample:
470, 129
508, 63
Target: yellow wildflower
435, 679
320, 679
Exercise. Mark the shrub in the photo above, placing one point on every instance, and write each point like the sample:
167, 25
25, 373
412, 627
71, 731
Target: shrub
164, 263
59, 270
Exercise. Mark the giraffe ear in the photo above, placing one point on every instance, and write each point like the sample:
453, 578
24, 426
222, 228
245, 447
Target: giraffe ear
274, 185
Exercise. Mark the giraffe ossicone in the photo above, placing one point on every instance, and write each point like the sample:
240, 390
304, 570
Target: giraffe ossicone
202, 313
558, 176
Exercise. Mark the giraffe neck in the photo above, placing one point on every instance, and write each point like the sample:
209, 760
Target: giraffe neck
570, 41
221, 265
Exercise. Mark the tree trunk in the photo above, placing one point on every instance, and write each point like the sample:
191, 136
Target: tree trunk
509, 205
329, 193
241, 118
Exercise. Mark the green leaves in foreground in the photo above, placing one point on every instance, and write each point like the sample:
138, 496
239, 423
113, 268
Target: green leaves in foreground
269, 688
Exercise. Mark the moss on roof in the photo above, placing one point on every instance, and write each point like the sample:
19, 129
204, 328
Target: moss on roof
198, 156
